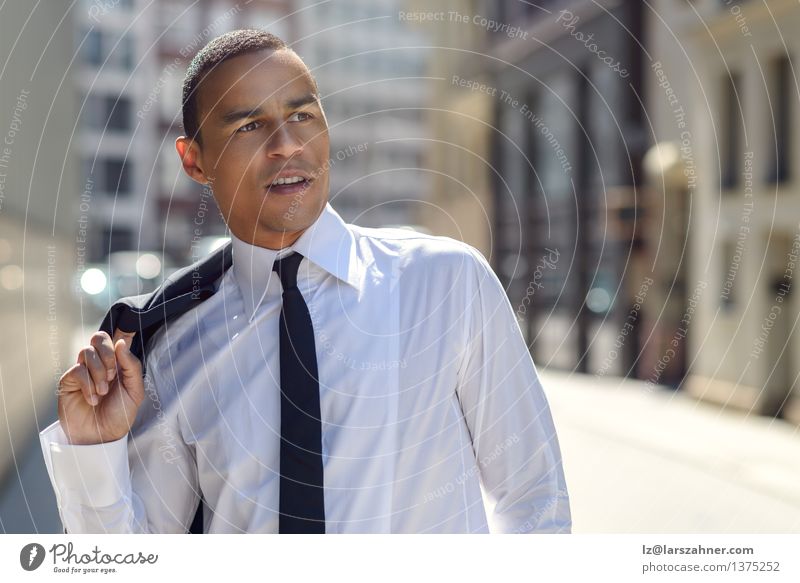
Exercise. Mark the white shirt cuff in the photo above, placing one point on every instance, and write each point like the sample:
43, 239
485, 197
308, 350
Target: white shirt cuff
91, 475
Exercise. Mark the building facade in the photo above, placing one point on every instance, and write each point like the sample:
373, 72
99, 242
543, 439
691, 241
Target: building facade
41, 237
370, 65
459, 117
568, 149
729, 66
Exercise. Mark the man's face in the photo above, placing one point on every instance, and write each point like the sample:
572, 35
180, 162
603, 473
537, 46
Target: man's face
261, 121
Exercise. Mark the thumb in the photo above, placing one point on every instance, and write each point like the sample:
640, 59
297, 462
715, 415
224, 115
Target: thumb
126, 336
130, 368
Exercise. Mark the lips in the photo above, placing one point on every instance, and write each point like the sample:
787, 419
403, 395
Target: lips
289, 182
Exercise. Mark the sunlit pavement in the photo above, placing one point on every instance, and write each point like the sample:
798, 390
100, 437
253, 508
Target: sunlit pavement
27, 502
660, 461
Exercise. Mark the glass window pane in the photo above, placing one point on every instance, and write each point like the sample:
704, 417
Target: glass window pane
93, 48
119, 113
116, 176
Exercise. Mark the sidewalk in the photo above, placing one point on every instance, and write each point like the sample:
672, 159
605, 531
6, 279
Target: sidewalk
660, 461
27, 501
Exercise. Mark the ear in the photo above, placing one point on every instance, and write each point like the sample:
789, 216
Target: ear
191, 159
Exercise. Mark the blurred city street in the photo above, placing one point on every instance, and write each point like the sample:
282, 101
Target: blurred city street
635, 461
662, 462
27, 502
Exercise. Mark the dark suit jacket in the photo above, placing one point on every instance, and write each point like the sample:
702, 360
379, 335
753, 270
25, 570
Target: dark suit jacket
146, 314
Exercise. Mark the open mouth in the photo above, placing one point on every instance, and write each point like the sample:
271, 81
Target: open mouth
289, 185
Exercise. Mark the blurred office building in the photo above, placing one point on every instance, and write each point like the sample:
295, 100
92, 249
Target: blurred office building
40, 218
723, 99
369, 63
562, 160
115, 147
459, 116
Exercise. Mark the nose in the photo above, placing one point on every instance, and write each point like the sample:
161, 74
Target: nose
283, 143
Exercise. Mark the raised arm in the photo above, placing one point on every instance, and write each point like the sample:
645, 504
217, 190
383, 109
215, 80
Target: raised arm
115, 457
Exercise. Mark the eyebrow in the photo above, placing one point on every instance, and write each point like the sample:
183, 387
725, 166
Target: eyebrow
233, 116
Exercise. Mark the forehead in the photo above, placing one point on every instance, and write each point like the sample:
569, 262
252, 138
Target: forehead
259, 78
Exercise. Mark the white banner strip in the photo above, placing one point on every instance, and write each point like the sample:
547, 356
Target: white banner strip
410, 558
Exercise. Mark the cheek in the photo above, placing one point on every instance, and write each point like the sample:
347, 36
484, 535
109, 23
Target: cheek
239, 169
318, 141
236, 155
324, 142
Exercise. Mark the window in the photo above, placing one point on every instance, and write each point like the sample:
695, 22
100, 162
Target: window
730, 131
107, 113
112, 176
780, 101
116, 177
553, 133
93, 48
98, 46
119, 113
122, 57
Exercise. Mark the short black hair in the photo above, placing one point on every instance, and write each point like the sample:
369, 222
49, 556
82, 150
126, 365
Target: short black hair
226, 46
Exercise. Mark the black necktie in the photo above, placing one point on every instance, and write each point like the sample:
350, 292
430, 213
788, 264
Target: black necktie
302, 508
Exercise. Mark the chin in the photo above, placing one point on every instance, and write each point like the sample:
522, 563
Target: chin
301, 216
297, 221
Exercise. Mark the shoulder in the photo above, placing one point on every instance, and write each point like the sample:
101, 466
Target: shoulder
420, 251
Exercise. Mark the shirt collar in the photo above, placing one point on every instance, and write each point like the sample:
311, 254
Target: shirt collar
328, 243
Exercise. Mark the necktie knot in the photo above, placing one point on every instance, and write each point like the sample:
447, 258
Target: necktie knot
287, 270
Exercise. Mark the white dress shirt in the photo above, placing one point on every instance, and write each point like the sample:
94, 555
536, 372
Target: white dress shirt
433, 415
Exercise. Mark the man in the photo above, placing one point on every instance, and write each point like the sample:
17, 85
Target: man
341, 379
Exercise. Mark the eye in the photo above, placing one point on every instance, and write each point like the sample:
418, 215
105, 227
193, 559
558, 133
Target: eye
248, 127
301, 113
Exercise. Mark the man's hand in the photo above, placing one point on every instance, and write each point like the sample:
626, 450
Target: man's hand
98, 397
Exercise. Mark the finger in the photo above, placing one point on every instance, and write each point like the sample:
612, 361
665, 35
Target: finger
97, 369
104, 347
83, 379
71, 380
130, 369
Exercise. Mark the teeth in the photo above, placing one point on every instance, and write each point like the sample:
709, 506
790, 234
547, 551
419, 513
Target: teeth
291, 180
